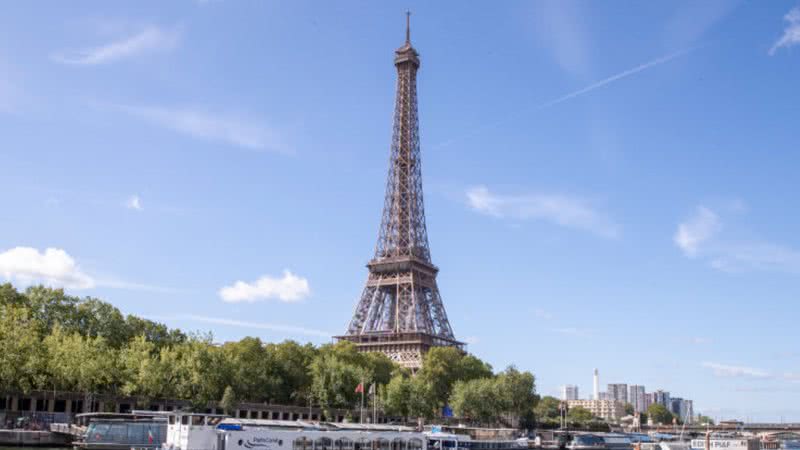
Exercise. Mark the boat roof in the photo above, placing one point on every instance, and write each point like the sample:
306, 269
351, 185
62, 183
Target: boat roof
313, 425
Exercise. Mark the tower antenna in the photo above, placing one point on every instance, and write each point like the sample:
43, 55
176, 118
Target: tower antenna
408, 27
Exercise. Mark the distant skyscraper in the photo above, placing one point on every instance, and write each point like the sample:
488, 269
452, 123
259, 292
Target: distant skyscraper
596, 386
618, 392
569, 392
603, 396
662, 398
636, 397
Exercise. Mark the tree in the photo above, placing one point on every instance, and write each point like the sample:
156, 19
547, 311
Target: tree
335, 380
83, 364
251, 369
443, 366
292, 371
480, 400
659, 414
548, 410
22, 363
629, 410
518, 390
705, 420
579, 415
228, 401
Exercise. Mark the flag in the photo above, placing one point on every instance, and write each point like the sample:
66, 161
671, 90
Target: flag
447, 411
372, 389
360, 388
149, 436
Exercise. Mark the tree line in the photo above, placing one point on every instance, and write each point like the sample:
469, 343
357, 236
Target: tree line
53, 341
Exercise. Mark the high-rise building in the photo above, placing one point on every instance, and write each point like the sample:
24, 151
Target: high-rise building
618, 392
636, 397
569, 392
400, 312
662, 398
596, 385
689, 416
603, 396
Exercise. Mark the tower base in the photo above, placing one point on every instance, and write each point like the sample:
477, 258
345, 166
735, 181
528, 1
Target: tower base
406, 349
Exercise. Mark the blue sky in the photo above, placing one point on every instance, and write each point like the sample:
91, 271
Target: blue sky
608, 185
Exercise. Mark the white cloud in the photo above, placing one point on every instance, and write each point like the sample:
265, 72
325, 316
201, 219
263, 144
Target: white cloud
728, 371
289, 288
791, 34
259, 326
52, 267
567, 211
697, 230
150, 39
699, 237
231, 129
134, 202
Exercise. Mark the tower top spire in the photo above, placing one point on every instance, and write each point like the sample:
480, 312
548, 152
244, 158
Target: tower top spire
408, 27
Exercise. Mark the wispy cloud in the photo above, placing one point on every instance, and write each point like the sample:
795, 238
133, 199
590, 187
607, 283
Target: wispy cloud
574, 94
730, 371
791, 34
289, 288
149, 39
542, 314
563, 210
571, 331
558, 25
198, 123
700, 340
696, 230
134, 202
291, 329
700, 237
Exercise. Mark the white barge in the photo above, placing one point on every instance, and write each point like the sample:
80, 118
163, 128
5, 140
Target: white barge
186, 431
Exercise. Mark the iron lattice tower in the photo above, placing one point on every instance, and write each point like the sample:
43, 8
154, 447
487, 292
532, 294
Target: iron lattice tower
400, 312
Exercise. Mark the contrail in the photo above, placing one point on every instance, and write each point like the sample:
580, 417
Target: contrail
579, 92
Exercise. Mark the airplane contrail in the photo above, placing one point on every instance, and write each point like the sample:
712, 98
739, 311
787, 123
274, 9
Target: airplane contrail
579, 92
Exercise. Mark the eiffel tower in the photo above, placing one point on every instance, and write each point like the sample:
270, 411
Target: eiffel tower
400, 312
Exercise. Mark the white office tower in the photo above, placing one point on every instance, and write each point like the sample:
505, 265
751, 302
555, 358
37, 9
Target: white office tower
596, 385
569, 392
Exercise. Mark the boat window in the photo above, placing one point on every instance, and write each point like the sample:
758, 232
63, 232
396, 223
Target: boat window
323, 443
414, 444
172, 420
302, 443
381, 444
361, 444
118, 433
97, 432
197, 420
343, 444
398, 444
214, 420
184, 420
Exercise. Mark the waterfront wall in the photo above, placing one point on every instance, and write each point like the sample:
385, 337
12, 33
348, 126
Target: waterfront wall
71, 403
21, 438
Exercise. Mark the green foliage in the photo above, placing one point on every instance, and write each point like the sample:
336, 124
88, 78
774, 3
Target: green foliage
22, 363
579, 416
704, 420
629, 409
443, 366
53, 341
408, 396
228, 401
547, 410
659, 414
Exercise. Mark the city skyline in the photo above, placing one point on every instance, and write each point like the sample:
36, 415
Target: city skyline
606, 184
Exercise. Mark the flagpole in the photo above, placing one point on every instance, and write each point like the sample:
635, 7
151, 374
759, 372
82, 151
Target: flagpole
375, 404
362, 401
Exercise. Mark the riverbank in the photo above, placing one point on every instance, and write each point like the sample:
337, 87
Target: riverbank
25, 438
